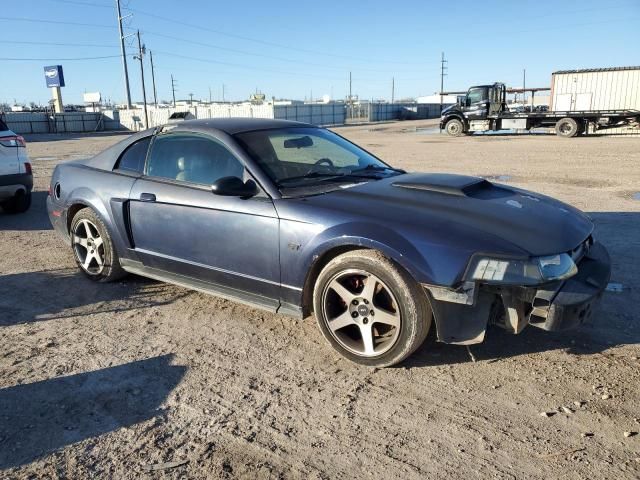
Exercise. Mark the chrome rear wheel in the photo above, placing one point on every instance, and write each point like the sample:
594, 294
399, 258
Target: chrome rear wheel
88, 247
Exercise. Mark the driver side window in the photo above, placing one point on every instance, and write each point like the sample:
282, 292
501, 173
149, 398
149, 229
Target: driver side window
476, 95
191, 158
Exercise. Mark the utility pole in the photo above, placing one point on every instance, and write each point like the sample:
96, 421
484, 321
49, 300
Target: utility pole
173, 90
393, 89
191, 99
350, 96
153, 79
443, 69
124, 55
524, 86
223, 93
209, 94
141, 51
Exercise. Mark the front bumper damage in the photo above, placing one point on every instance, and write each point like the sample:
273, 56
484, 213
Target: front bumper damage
462, 315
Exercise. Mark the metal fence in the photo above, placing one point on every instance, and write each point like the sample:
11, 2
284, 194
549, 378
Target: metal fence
134, 119
42, 122
321, 115
357, 112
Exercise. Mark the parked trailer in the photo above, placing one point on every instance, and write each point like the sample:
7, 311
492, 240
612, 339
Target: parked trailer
484, 109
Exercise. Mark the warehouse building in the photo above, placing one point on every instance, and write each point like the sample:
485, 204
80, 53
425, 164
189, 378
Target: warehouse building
615, 88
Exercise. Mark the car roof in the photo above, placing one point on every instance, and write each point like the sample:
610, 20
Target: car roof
232, 125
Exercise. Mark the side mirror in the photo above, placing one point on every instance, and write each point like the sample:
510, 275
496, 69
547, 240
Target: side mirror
234, 187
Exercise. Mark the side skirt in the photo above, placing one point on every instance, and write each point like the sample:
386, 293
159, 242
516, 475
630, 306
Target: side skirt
246, 298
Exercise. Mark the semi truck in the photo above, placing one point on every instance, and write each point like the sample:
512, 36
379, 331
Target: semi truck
484, 108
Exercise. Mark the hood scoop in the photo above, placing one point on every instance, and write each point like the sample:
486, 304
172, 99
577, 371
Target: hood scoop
459, 185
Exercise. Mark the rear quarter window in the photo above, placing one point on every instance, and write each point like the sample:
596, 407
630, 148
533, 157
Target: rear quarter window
3, 126
133, 158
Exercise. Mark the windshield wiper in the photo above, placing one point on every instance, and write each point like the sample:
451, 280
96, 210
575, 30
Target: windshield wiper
376, 168
308, 175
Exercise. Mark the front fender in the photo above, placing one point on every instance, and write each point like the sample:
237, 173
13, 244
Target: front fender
377, 237
296, 266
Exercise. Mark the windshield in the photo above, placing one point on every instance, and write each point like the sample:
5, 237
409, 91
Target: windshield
303, 157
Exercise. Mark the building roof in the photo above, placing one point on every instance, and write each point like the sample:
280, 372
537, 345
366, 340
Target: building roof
591, 70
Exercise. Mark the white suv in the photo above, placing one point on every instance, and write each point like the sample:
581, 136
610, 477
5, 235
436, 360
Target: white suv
16, 179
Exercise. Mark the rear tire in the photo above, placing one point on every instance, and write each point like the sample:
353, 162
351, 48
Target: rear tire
567, 127
20, 203
455, 128
93, 249
370, 309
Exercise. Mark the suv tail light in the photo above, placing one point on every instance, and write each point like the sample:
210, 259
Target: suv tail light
13, 141
27, 168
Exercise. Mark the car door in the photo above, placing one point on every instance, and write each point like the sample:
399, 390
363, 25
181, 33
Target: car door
477, 104
180, 226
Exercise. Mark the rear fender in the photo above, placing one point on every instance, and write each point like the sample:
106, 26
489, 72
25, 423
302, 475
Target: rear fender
88, 198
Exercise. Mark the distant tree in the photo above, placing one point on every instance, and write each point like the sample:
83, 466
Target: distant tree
5, 107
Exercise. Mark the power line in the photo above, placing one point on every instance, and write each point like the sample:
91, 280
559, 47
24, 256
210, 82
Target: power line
56, 22
250, 67
57, 59
256, 40
86, 4
57, 44
254, 54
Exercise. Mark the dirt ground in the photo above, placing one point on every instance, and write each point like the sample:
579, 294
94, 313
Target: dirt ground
140, 379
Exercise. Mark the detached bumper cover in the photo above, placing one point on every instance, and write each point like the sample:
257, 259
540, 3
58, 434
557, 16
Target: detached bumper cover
573, 303
462, 316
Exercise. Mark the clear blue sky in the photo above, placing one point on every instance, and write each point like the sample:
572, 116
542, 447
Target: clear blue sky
292, 48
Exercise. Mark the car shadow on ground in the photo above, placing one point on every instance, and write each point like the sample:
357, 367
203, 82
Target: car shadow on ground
616, 323
55, 294
42, 417
36, 218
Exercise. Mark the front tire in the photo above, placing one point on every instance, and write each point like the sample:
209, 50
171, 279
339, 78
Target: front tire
93, 249
455, 128
370, 310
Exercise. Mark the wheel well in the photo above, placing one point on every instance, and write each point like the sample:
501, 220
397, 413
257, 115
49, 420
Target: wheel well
314, 271
72, 211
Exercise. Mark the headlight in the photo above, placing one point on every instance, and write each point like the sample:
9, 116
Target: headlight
523, 272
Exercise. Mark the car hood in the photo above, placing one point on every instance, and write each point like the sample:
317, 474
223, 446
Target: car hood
465, 206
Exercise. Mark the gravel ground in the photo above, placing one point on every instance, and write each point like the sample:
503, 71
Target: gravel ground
140, 379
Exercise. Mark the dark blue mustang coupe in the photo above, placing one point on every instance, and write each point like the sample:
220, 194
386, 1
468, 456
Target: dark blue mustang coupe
296, 219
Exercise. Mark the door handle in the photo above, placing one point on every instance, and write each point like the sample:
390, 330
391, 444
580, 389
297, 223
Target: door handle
147, 197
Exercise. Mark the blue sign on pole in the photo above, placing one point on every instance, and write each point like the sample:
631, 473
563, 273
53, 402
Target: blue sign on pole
54, 76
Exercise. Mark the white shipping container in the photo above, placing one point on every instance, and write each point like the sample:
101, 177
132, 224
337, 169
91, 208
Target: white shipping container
596, 89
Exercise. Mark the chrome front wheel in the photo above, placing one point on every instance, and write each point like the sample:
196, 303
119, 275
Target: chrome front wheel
361, 312
370, 309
